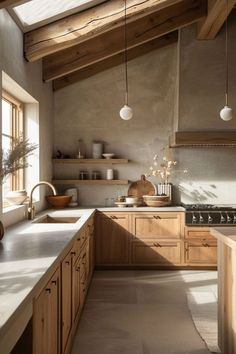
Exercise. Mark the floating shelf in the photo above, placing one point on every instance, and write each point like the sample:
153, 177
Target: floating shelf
91, 182
91, 161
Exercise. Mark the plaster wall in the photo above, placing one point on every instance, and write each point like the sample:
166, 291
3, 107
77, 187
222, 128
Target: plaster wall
176, 87
29, 77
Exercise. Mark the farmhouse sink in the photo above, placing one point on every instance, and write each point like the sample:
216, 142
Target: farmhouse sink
47, 219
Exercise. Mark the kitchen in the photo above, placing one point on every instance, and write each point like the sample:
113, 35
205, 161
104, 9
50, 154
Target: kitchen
179, 86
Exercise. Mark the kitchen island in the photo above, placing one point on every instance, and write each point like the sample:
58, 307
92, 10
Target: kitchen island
226, 237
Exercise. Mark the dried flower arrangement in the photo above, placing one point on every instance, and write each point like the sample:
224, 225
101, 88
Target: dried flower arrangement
15, 159
164, 170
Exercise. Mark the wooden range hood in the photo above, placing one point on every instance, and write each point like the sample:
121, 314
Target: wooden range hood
203, 138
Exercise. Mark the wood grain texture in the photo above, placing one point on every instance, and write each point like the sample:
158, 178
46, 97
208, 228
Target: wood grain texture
217, 14
90, 161
82, 26
91, 182
203, 138
108, 44
115, 60
7, 3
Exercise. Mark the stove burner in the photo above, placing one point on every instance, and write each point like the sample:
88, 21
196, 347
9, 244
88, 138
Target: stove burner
209, 214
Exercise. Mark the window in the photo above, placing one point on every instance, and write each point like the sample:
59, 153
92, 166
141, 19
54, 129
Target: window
12, 127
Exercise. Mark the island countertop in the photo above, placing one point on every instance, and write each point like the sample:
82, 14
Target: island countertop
225, 234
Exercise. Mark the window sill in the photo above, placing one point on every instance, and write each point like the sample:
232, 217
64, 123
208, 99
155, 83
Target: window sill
12, 208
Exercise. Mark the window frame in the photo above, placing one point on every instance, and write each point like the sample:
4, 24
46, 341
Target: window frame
17, 124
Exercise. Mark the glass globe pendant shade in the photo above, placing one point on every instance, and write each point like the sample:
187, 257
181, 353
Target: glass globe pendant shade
126, 112
226, 113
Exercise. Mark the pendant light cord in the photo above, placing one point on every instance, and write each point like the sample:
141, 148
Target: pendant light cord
126, 59
226, 56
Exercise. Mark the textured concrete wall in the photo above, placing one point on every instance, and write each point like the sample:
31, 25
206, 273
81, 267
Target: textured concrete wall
29, 77
89, 110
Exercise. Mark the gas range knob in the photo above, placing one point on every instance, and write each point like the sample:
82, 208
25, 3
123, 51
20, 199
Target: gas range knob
209, 219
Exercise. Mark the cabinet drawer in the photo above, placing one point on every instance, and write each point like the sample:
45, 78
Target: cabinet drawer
204, 253
153, 252
198, 233
158, 225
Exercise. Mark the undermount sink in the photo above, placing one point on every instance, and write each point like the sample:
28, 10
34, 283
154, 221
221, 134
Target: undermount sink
57, 220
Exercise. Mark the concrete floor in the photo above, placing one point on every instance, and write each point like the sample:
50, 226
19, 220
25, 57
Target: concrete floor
141, 312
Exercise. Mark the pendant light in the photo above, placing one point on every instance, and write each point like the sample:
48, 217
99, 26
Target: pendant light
226, 113
126, 112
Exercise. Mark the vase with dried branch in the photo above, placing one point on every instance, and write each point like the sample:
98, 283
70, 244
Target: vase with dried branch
13, 160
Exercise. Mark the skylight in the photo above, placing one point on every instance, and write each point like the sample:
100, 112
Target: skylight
37, 12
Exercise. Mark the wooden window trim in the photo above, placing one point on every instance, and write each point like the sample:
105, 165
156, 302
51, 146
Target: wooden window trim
18, 178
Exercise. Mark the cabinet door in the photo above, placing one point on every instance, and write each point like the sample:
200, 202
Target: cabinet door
76, 290
201, 253
112, 239
66, 294
200, 233
158, 225
156, 253
46, 333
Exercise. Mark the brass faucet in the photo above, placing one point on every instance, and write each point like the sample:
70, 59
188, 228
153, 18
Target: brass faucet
31, 207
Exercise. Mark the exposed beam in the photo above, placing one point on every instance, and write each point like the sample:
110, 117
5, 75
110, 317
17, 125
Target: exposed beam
7, 3
217, 14
111, 43
82, 26
115, 60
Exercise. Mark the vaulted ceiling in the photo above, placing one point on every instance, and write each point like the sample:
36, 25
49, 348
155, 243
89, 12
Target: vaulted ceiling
88, 42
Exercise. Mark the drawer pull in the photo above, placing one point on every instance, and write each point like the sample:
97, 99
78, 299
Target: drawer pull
77, 269
48, 290
156, 244
205, 244
156, 216
73, 253
78, 239
54, 282
67, 262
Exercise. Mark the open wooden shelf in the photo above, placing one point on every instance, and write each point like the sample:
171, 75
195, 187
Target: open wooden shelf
91, 182
91, 161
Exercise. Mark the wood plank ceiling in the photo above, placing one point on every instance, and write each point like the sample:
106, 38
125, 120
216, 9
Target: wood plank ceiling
88, 42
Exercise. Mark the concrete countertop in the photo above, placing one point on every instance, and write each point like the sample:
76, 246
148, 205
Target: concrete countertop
227, 235
27, 251
30, 249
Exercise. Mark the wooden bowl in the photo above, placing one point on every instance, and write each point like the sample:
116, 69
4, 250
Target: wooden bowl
156, 200
58, 201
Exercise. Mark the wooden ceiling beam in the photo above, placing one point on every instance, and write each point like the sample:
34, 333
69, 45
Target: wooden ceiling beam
115, 60
79, 27
7, 3
217, 14
111, 43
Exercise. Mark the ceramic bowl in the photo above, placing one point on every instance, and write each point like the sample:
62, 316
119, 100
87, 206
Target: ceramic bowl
131, 200
156, 200
16, 197
59, 201
108, 156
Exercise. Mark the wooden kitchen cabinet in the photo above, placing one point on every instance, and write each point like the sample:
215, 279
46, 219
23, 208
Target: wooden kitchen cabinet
112, 239
66, 299
200, 247
157, 225
201, 253
158, 253
46, 318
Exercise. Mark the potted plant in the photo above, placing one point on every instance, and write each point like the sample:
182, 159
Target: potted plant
14, 160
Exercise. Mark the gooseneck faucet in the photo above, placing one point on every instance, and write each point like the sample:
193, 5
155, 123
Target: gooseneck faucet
31, 208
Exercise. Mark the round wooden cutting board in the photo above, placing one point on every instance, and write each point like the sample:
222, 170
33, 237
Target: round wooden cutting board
141, 187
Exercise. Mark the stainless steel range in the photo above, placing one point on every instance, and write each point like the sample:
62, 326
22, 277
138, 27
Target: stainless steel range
208, 214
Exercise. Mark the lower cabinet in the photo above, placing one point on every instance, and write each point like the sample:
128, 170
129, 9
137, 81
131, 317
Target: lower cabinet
112, 239
66, 299
58, 307
201, 253
46, 318
159, 253
200, 247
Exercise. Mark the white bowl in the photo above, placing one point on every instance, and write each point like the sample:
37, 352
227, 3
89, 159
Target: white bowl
108, 156
16, 197
132, 200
